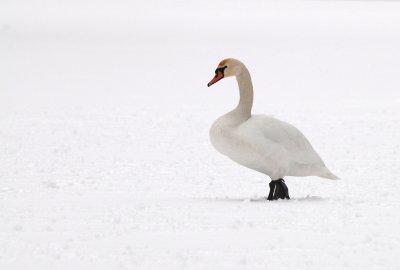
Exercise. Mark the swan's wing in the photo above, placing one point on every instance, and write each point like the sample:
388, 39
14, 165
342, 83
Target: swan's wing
285, 136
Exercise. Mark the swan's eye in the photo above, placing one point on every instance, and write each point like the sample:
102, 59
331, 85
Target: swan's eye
221, 69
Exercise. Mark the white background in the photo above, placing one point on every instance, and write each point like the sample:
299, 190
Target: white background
105, 161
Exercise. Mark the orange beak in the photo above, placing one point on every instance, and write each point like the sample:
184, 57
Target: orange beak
218, 76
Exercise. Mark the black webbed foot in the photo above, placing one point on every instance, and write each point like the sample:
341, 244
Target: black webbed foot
278, 190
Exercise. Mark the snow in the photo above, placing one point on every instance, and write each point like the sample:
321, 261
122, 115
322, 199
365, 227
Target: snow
104, 150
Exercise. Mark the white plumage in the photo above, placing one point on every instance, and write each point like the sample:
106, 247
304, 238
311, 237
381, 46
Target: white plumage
260, 142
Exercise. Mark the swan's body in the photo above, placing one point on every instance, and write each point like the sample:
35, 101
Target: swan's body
267, 145
259, 142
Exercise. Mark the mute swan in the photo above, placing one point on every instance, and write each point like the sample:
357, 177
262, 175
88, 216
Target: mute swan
262, 143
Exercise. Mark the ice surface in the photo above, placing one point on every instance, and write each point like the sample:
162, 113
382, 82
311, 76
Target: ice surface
105, 161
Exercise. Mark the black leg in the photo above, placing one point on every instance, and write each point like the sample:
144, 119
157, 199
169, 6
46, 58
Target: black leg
285, 190
272, 186
278, 190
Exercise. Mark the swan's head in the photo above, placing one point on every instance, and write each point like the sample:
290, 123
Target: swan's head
226, 68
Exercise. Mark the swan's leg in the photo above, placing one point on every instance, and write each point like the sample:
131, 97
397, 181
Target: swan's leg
272, 186
284, 190
278, 190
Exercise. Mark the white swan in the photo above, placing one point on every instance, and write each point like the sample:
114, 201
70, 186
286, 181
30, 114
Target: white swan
262, 143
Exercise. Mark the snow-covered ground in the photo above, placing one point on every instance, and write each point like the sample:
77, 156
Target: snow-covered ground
105, 161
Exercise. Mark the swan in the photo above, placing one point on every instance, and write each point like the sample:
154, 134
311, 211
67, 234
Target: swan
262, 143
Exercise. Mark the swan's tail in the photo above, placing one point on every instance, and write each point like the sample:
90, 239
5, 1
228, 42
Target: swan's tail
328, 174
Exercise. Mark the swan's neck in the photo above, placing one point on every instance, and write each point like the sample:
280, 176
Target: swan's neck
246, 94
